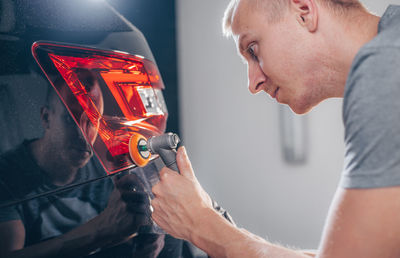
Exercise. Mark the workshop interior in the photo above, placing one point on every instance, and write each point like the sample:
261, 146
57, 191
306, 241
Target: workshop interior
110, 89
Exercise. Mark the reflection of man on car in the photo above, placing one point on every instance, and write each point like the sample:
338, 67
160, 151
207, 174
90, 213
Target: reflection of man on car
63, 149
74, 222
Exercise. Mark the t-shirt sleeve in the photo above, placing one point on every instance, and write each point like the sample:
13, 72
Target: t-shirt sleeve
9, 213
371, 115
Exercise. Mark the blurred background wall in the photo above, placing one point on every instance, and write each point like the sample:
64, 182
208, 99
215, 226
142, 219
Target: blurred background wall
234, 139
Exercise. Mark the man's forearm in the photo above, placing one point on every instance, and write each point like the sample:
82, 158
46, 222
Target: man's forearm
80, 241
218, 238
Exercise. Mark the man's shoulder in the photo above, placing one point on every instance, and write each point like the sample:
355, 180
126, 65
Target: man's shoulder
387, 40
383, 51
373, 76
369, 113
388, 36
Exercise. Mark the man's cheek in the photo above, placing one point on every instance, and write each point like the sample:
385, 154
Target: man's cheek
91, 133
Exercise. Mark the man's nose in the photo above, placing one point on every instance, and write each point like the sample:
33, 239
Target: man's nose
256, 78
88, 128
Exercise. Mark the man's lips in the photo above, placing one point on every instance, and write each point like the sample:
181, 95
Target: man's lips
267, 89
83, 150
273, 95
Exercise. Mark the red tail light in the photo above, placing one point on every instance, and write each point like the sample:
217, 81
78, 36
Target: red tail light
130, 87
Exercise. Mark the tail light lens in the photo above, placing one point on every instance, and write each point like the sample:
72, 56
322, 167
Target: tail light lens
109, 94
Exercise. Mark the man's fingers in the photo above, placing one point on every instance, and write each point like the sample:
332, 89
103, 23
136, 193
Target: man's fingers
148, 244
184, 165
156, 188
139, 208
131, 196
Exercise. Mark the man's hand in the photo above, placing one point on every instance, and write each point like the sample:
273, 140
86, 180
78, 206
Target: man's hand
184, 210
148, 245
180, 202
128, 208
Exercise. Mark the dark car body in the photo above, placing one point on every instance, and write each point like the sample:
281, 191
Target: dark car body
34, 34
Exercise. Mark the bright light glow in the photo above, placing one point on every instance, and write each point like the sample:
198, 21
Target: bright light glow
117, 51
130, 123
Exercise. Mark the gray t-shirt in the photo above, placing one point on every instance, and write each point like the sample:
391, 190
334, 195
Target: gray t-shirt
51, 215
371, 110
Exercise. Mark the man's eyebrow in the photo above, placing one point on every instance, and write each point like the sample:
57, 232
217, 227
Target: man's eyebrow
241, 39
240, 49
243, 59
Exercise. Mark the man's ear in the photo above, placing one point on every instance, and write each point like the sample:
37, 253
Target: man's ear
306, 13
45, 117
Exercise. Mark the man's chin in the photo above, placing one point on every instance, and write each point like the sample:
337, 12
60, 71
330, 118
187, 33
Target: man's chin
81, 158
81, 163
300, 109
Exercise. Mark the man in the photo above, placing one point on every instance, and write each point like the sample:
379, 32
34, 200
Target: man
78, 221
302, 52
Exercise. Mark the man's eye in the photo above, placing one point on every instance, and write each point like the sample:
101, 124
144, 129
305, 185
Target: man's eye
251, 52
68, 119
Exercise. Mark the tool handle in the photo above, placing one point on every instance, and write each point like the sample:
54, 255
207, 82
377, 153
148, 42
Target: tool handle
169, 158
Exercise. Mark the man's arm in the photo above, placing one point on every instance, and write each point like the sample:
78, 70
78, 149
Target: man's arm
119, 221
184, 210
12, 235
362, 223
218, 238
77, 242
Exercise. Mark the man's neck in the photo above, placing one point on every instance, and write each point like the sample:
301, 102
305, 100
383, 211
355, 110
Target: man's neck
345, 38
44, 155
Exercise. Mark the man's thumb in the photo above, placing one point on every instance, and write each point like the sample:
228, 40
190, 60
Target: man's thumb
184, 165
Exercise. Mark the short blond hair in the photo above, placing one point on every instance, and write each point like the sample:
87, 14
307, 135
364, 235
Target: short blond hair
276, 8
